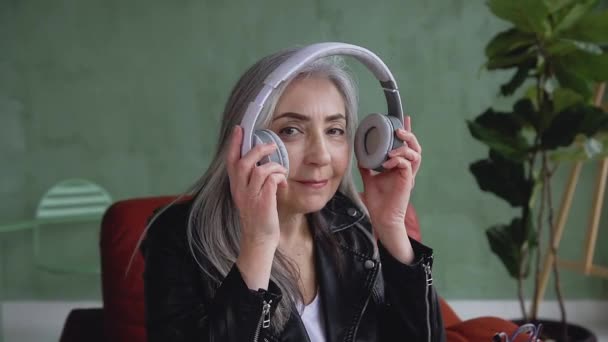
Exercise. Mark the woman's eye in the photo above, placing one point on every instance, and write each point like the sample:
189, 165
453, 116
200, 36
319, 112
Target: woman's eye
289, 131
336, 131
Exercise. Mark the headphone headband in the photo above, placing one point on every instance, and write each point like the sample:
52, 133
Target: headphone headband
309, 54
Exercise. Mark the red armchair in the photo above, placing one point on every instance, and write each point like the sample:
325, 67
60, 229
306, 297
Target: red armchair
122, 315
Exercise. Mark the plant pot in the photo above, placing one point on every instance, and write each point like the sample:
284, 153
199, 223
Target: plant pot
552, 331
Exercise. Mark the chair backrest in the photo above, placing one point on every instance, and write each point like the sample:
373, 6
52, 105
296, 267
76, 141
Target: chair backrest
72, 201
122, 284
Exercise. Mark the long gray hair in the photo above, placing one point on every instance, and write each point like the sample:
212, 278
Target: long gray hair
214, 225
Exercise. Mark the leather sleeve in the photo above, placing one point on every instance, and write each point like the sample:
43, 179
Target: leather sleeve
411, 303
178, 305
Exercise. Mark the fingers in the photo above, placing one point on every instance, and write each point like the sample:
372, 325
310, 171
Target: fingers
410, 139
272, 182
244, 172
408, 123
245, 166
261, 174
397, 162
256, 154
406, 152
401, 164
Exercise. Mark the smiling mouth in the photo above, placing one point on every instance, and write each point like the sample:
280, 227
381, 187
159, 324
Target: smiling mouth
314, 184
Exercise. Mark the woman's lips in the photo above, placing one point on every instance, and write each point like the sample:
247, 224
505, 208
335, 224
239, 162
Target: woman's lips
314, 184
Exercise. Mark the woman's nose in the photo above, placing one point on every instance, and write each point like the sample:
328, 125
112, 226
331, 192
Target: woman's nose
317, 151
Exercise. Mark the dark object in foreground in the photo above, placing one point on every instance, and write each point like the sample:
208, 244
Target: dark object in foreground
552, 330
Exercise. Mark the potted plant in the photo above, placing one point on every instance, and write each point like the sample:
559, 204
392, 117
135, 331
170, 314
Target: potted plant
557, 51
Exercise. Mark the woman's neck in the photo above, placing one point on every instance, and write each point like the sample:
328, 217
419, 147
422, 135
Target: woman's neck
294, 230
297, 244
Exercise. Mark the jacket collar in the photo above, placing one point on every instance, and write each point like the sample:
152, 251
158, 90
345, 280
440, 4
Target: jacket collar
341, 213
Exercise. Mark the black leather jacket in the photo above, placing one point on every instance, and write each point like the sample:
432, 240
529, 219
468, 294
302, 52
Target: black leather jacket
372, 300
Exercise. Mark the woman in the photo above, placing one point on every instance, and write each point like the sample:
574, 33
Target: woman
260, 254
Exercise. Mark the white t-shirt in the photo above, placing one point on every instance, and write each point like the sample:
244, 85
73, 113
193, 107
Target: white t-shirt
313, 319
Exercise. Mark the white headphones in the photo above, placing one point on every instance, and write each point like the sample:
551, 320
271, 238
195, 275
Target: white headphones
375, 136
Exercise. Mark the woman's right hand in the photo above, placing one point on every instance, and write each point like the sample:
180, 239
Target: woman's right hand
254, 191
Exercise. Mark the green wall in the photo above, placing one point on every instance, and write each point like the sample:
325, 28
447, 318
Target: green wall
129, 95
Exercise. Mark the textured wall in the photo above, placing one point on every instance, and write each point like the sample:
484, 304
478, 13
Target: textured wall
129, 93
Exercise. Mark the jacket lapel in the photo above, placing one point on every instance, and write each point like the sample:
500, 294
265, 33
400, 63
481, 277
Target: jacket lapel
344, 290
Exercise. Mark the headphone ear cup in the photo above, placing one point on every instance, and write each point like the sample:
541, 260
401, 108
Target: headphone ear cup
280, 155
375, 138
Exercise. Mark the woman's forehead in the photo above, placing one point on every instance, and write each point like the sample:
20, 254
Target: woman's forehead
310, 96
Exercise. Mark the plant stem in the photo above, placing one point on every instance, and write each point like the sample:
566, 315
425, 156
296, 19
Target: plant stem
520, 295
553, 247
541, 101
524, 252
539, 229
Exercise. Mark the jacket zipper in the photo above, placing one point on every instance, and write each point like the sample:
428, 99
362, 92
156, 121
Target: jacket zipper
354, 335
264, 321
429, 282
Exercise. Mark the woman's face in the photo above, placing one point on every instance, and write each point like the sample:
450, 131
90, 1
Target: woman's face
310, 118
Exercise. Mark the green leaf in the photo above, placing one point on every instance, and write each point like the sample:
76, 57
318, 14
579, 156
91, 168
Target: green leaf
504, 43
572, 121
516, 58
502, 245
564, 98
556, 5
528, 16
591, 48
593, 27
594, 120
574, 15
502, 123
569, 154
563, 128
505, 241
517, 80
583, 149
587, 65
570, 80
500, 132
504, 178
524, 111
560, 47
531, 94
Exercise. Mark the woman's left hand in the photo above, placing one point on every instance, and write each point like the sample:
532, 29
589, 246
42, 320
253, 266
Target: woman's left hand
387, 194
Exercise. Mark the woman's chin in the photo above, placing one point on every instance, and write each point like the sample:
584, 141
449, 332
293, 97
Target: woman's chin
301, 201
306, 204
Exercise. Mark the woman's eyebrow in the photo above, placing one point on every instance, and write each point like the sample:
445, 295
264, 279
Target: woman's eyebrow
301, 117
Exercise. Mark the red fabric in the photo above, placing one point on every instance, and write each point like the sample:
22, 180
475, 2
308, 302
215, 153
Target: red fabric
122, 291
482, 329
